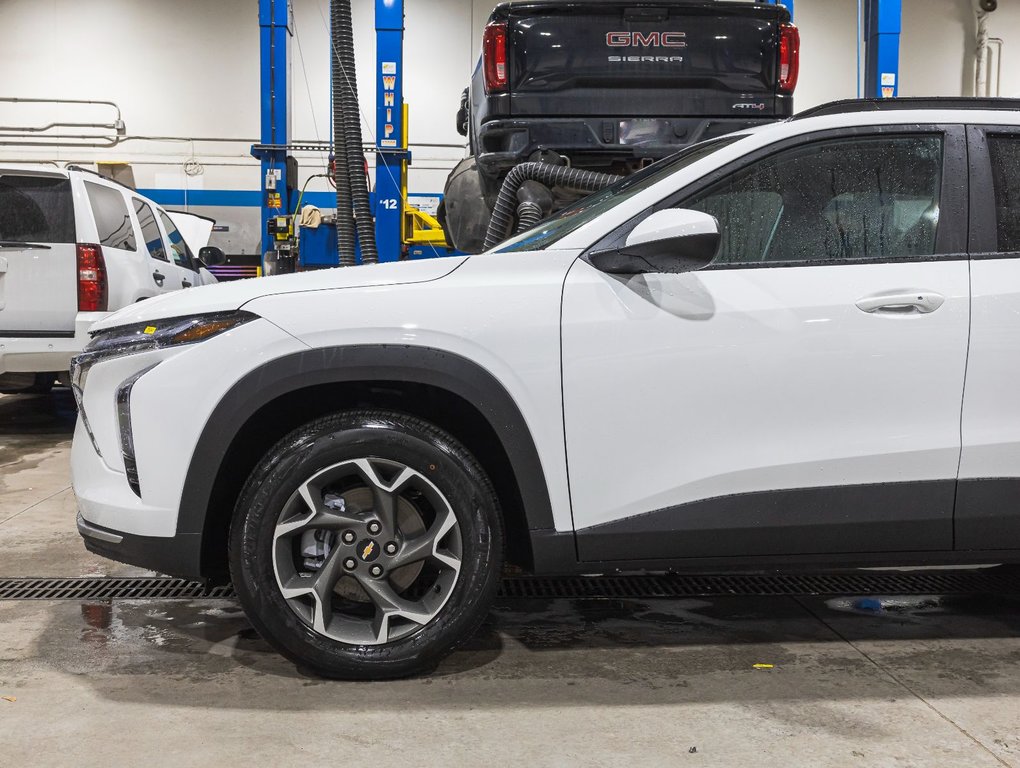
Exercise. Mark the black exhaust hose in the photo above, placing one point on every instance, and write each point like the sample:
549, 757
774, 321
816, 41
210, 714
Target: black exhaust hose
364, 224
528, 215
551, 175
345, 231
535, 203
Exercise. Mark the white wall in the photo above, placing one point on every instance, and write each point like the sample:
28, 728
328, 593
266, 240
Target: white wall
189, 69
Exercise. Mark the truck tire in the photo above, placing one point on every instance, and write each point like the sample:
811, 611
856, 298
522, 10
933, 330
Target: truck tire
366, 545
465, 211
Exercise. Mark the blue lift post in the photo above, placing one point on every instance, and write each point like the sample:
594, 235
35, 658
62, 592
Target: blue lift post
274, 57
882, 48
389, 129
787, 3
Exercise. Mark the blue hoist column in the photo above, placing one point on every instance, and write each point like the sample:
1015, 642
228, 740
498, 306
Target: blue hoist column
882, 48
274, 59
391, 150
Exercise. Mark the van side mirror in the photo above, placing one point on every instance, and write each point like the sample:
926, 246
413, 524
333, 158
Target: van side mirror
670, 241
211, 256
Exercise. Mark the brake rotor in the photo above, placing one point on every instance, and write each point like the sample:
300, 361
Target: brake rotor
410, 524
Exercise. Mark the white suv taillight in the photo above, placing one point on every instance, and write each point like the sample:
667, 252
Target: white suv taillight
494, 57
93, 289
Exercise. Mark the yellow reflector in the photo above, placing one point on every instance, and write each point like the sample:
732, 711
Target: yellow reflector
149, 330
199, 332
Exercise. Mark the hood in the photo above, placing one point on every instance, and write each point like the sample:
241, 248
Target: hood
225, 297
195, 229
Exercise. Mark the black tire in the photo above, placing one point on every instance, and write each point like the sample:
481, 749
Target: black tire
344, 437
466, 209
43, 384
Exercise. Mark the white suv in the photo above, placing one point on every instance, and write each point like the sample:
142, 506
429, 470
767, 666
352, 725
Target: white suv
73, 247
793, 346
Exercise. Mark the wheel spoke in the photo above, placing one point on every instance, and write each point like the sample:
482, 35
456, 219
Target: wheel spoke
389, 604
318, 515
385, 495
426, 546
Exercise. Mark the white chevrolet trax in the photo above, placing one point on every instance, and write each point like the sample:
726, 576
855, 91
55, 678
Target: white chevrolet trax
793, 346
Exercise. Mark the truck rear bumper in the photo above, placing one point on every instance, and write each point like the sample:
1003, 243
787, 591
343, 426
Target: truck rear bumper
23, 353
502, 144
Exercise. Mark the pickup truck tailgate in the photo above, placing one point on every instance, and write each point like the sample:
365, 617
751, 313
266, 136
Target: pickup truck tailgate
643, 59
38, 261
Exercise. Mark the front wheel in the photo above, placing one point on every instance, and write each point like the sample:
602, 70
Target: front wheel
366, 545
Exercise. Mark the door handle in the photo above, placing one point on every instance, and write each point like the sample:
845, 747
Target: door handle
185, 284
158, 277
902, 302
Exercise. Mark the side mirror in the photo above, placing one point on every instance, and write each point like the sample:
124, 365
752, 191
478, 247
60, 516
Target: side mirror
211, 256
670, 241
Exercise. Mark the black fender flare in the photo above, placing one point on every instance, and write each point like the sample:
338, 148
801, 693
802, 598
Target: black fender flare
360, 364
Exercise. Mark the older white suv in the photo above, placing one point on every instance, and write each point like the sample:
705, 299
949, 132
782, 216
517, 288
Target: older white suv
73, 247
793, 346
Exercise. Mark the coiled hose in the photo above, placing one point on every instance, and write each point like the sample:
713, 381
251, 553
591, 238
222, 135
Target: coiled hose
535, 201
528, 215
345, 231
551, 175
350, 125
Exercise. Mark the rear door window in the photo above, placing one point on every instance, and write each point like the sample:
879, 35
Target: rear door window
36, 209
112, 218
1005, 156
178, 248
150, 230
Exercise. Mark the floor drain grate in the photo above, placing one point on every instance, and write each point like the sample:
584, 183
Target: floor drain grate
108, 589
523, 587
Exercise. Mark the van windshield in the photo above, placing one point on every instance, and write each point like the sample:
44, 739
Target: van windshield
573, 217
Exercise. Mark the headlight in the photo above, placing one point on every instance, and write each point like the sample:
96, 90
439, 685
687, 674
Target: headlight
143, 337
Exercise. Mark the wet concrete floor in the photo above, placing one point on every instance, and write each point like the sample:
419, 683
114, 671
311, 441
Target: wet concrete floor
925, 681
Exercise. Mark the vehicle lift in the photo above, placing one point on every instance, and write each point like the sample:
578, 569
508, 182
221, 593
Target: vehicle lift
401, 229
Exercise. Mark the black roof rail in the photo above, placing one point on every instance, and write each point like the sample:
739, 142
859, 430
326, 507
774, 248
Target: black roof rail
908, 102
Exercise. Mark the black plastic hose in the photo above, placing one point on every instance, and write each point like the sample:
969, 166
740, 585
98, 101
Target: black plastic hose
551, 175
528, 215
535, 202
345, 231
351, 122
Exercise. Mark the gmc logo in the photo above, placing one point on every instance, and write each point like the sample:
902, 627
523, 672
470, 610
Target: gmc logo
649, 40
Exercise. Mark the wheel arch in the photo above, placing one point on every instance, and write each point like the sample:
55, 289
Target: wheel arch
453, 392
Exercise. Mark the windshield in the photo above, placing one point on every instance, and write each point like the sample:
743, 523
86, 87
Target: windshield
573, 217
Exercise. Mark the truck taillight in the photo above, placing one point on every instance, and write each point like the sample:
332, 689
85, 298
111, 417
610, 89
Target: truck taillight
494, 57
789, 57
93, 291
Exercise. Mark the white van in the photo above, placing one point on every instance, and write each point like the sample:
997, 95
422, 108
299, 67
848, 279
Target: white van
75, 246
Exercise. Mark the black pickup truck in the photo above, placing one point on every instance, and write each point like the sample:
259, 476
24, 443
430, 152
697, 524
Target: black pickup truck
610, 86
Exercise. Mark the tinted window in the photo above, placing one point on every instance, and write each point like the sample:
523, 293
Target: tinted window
178, 248
150, 231
112, 218
36, 209
866, 198
1005, 155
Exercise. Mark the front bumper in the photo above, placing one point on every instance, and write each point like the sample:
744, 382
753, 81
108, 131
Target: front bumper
178, 555
169, 408
503, 144
50, 354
